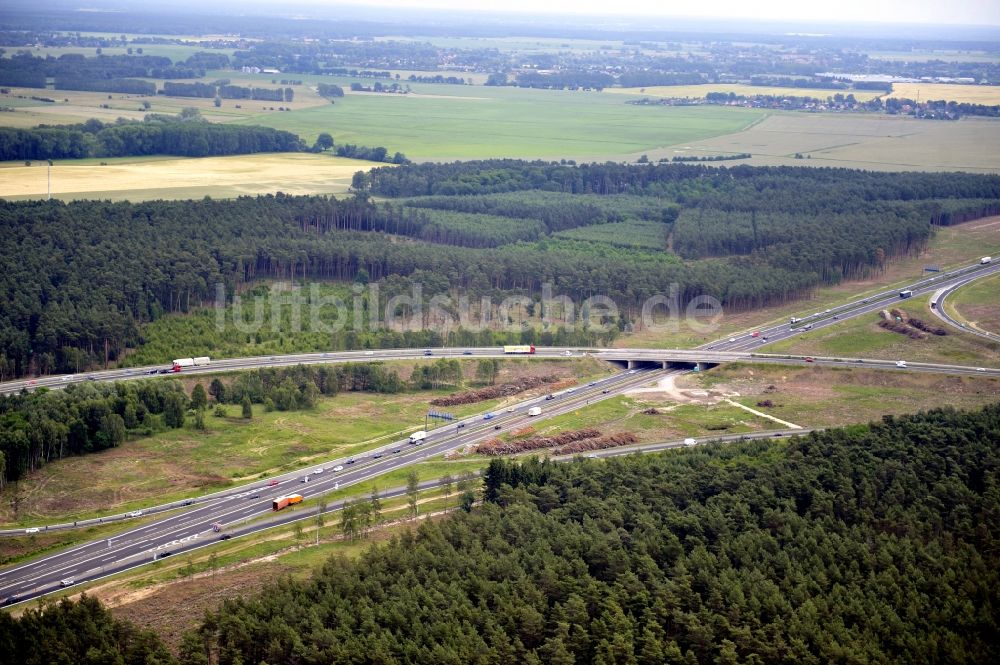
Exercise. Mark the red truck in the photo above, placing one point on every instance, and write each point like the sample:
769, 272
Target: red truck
285, 501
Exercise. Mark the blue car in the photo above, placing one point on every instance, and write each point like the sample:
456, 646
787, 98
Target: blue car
488, 416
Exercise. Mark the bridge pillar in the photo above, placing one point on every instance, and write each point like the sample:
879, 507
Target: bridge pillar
631, 364
664, 364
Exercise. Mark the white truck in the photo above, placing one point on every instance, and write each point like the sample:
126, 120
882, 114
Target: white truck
535, 411
418, 437
181, 363
985, 260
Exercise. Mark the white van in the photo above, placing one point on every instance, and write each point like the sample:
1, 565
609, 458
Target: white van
418, 437
690, 442
535, 411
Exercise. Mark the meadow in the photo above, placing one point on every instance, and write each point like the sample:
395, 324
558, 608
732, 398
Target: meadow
856, 140
978, 303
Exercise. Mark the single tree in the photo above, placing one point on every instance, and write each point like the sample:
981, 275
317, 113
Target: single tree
247, 407
199, 398
412, 488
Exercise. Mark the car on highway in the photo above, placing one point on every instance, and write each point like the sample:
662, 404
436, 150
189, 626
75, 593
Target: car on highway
350, 461
153, 371
980, 369
376, 455
369, 353
488, 416
273, 483
397, 451
496, 427
12, 598
732, 339
466, 353
304, 479
318, 470
550, 396
826, 312
225, 536
900, 363
134, 513
755, 333
592, 456
605, 391
810, 359
340, 467
460, 426
510, 409
689, 441
167, 553
567, 353
428, 352
32, 529
592, 383
188, 502
255, 495
69, 581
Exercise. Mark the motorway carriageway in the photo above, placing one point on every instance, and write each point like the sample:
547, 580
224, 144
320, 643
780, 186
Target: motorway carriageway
859, 307
192, 529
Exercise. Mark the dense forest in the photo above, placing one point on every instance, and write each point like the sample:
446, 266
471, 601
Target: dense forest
186, 135
747, 236
81, 632
873, 544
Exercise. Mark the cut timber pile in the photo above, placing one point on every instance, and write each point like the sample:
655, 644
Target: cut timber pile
501, 447
600, 443
493, 392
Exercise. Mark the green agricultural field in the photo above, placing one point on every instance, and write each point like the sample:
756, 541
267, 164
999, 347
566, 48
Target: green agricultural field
634, 233
443, 122
978, 304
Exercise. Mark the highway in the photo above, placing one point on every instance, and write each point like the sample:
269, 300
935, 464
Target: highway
247, 509
244, 506
938, 309
871, 304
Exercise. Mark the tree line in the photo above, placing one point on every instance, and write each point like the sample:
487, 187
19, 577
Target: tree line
186, 135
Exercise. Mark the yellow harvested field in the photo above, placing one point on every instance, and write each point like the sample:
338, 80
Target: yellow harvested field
699, 91
175, 178
951, 92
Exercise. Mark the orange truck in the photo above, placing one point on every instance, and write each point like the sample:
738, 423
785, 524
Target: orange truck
285, 501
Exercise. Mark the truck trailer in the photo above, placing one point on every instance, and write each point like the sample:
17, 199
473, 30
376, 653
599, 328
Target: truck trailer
181, 363
418, 437
526, 348
906, 294
985, 260
285, 501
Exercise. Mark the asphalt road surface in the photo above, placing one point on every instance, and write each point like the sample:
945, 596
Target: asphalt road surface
242, 508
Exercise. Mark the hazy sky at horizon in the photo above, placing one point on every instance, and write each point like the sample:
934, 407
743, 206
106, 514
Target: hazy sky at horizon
970, 12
